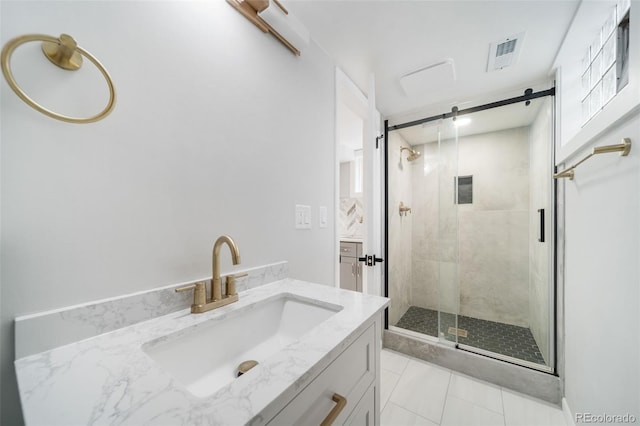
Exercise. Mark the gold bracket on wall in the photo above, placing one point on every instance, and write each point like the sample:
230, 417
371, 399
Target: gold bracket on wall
250, 8
404, 209
623, 148
65, 53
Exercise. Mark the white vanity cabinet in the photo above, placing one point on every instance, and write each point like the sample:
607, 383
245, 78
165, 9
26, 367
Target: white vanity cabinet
354, 375
350, 266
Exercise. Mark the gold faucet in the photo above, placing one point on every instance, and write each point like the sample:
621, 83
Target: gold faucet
200, 302
216, 285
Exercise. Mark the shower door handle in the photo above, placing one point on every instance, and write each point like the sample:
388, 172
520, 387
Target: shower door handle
541, 213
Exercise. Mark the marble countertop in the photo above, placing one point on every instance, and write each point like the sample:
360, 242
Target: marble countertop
109, 379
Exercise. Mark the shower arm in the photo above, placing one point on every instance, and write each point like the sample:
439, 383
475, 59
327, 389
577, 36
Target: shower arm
402, 148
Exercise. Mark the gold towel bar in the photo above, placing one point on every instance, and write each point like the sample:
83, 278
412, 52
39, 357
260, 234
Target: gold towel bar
623, 148
65, 53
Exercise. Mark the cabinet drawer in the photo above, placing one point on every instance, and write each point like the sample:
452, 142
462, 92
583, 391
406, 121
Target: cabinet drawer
349, 375
364, 414
350, 249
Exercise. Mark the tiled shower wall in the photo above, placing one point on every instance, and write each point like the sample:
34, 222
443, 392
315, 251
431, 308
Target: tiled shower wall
492, 232
400, 230
435, 229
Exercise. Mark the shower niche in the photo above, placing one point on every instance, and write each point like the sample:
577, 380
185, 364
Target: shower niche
463, 189
467, 268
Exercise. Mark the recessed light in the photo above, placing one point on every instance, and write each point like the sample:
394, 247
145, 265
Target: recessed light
462, 121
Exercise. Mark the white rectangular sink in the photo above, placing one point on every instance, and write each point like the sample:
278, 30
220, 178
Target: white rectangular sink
205, 357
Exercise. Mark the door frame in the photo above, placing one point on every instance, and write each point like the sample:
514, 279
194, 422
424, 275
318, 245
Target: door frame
348, 94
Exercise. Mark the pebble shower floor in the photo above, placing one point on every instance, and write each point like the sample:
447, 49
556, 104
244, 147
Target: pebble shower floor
504, 339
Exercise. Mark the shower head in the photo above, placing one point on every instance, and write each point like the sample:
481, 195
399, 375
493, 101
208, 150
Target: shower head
413, 154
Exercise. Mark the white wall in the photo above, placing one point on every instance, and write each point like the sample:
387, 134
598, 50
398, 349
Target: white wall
218, 129
602, 272
602, 232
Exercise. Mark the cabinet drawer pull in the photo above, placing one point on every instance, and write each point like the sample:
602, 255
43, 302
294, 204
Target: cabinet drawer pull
341, 402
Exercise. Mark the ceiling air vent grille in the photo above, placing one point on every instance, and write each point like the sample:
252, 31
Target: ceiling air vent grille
506, 48
504, 53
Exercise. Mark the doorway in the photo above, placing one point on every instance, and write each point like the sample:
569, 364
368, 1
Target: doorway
359, 160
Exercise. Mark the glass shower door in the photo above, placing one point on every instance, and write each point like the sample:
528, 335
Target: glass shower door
504, 223
423, 243
423, 235
470, 226
447, 237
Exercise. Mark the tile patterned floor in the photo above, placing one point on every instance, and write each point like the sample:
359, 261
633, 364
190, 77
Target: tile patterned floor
416, 393
505, 339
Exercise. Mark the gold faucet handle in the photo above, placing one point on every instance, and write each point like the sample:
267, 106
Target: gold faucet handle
199, 292
231, 283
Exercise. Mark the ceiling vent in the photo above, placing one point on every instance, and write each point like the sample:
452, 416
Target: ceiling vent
429, 77
504, 52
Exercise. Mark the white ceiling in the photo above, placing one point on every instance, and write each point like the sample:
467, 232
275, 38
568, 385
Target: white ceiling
390, 38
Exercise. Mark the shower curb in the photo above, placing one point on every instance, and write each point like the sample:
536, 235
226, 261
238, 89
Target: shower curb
520, 379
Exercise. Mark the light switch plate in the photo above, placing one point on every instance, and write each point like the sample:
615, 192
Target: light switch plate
303, 217
323, 216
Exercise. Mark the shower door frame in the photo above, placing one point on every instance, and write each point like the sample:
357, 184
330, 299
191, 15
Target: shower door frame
529, 95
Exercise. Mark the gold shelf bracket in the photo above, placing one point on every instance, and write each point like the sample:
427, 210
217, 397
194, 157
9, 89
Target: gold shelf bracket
623, 148
404, 209
250, 8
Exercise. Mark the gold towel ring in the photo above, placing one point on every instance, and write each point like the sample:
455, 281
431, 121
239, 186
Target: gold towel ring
65, 53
